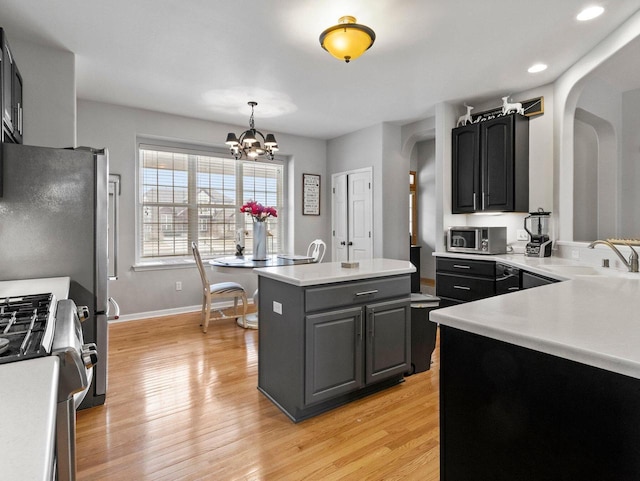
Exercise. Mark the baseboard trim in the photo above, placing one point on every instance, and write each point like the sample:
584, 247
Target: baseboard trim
171, 312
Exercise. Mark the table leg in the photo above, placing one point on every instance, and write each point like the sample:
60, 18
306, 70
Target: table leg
252, 319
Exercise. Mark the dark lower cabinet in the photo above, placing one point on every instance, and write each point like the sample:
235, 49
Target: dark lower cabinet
461, 280
332, 343
509, 413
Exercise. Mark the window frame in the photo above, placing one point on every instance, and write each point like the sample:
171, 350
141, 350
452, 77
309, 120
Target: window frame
202, 150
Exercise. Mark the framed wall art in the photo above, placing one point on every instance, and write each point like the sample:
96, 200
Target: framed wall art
310, 194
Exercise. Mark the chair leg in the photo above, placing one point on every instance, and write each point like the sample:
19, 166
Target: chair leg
202, 311
235, 307
207, 313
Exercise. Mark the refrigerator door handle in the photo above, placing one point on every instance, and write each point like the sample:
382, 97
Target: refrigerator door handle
116, 315
114, 190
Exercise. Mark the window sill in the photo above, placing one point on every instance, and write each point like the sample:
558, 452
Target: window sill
157, 265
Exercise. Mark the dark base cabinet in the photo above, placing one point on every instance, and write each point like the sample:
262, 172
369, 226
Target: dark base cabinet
462, 280
332, 343
509, 413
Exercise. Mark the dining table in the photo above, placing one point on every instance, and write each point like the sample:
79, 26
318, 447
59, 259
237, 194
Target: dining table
246, 264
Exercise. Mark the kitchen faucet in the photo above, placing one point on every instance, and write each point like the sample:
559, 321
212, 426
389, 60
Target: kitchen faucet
632, 264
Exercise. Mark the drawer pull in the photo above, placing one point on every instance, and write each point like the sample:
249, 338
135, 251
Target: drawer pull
366, 293
464, 288
458, 266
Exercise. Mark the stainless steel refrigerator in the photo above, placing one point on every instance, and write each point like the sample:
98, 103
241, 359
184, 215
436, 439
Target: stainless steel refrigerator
53, 222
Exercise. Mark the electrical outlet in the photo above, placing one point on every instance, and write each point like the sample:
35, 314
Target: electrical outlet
277, 307
522, 235
178, 286
575, 254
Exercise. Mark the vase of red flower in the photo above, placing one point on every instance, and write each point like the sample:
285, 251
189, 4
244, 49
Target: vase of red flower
259, 215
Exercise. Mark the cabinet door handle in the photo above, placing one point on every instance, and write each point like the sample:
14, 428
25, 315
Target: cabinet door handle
366, 293
483, 197
474, 201
463, 288
458, 266
343, 243
514, 289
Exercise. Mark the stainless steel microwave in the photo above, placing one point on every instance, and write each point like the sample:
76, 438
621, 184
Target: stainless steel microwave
477, 240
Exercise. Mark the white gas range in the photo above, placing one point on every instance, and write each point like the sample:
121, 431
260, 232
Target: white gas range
45, 370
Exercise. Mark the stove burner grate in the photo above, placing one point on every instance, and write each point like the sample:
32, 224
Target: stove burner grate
27, 323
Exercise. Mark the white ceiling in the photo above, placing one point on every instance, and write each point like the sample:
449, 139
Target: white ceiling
207, 58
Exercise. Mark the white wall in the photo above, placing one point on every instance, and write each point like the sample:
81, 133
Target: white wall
49, 93
116, 128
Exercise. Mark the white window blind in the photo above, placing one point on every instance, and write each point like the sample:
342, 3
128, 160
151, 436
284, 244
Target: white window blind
189, 195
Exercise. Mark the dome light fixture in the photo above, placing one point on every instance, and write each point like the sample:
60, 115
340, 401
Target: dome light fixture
347, 40
248, 144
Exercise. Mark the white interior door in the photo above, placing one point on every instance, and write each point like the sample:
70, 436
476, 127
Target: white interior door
351, 216
339, 251
359, 201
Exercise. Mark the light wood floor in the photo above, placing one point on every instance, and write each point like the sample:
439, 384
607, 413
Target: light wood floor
183, 405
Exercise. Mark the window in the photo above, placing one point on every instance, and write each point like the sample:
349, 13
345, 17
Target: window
188, 195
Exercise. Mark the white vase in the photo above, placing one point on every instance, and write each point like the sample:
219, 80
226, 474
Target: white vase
260, 241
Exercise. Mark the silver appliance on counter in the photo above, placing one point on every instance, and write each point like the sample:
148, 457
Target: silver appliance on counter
53, 223
38, 325
477, 240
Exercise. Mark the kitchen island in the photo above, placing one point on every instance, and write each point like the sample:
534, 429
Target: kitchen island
543, 383
329, 334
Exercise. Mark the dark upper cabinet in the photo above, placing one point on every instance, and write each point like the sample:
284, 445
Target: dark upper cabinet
490, 166
465, 168
11, 98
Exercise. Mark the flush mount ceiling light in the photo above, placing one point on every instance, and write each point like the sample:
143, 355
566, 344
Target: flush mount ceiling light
590, 13
538, 67
248, 144
347, 40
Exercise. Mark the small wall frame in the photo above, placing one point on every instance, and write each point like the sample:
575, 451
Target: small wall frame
310, 194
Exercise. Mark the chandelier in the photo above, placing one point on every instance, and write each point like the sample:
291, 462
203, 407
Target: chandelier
347, 40
247, 142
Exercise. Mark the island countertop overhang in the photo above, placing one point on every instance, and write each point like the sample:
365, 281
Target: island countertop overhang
591, 320
303, 275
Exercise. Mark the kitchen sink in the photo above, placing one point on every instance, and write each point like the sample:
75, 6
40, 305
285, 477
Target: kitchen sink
571, 271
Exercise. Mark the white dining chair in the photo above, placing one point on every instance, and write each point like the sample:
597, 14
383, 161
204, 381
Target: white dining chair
316, 250
218, 291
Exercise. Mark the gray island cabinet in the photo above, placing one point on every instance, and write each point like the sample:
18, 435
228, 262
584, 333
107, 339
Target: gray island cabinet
329, 335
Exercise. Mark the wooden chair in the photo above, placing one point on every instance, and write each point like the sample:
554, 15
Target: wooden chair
218, 291
316, 250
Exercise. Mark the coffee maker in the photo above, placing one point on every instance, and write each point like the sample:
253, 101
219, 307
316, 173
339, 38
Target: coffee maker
537, 226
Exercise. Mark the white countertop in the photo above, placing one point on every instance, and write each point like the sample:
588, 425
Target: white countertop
59, 286
329, 272
28, 402
592, 319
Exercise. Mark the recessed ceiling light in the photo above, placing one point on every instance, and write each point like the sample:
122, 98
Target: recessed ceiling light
539, 67
590, 13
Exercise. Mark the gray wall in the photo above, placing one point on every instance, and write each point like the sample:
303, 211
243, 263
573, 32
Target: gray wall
49, 93
116, 128
426, 172
379, 147
630, 166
